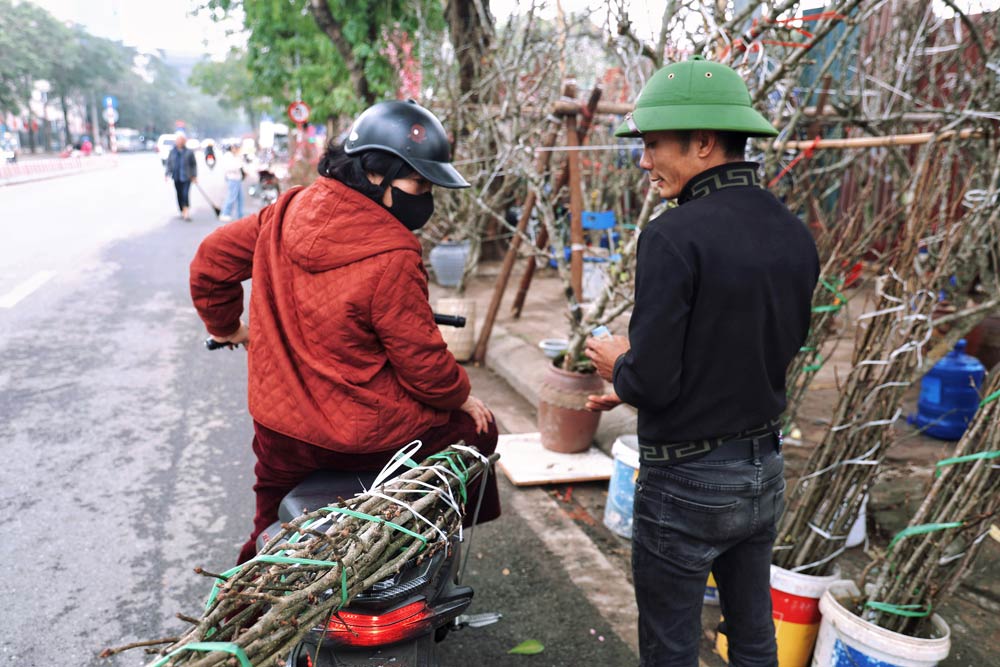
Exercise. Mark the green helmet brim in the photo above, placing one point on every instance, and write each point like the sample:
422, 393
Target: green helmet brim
720, 117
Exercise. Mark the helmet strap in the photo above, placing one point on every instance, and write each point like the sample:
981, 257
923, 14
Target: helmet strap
390, 175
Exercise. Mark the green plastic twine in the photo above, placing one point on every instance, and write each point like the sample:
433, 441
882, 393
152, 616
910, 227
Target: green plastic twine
833, 307
908, 610
989, 399
457, 466
375, 519
209, 647
923, 529
963, 459
261, 559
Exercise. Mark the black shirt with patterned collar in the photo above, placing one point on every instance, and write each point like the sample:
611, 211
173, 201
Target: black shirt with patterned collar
723, 293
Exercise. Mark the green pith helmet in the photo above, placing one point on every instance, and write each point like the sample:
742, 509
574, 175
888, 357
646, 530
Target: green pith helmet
695, 94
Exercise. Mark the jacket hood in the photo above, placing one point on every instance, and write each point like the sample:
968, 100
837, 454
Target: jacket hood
328, 225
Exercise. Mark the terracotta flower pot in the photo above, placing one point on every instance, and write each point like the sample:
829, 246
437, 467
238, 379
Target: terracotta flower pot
565, 424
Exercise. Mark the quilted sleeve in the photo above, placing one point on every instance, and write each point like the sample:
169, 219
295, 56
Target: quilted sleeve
403, 321
223, 261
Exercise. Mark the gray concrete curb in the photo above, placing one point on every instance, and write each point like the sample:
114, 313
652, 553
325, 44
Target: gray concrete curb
522, 366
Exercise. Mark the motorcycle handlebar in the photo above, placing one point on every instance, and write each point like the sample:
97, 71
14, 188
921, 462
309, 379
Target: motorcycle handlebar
456, 321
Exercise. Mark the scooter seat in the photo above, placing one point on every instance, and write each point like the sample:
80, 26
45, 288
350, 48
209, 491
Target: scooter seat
323, 488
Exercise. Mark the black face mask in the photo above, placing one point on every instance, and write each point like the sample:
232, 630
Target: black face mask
412, 210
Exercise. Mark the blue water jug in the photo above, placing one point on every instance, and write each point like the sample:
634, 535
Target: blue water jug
949, 395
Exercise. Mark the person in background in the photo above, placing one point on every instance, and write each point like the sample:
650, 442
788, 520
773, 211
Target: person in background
232, 168
86, 146
723, 295
346, 364
182, 168
208, 148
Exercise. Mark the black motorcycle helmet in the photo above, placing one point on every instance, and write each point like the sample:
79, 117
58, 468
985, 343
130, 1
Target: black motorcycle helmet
410, 132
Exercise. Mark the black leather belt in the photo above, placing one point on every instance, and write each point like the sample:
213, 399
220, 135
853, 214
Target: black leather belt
737, 446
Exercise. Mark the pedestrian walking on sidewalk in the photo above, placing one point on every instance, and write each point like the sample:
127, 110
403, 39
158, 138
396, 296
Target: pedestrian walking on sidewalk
232, 167
346, 364
723, 291
182, 168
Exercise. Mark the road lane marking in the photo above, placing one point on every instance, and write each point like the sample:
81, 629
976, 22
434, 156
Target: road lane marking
13, 297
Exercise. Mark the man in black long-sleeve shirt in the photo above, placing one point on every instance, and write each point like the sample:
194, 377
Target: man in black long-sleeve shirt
723, 289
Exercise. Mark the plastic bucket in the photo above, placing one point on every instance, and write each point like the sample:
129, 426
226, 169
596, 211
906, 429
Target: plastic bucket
795, 607
621, 487
711, 592
845, 640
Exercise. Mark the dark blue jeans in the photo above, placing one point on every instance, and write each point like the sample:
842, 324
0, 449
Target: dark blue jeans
692, 518
183, 189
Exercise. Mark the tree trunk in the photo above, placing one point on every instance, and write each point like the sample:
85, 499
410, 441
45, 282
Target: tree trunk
67, 139
332, 28
471, 29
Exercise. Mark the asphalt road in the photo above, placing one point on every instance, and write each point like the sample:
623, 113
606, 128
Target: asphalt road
126, 445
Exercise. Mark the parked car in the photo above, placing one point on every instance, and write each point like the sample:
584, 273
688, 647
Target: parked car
128, 140
163, 146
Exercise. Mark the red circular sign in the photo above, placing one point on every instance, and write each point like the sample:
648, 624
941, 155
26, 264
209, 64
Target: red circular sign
298, 112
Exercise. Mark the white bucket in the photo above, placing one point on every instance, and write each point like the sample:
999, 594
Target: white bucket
858, 531
595, 279
621, 487
845, 640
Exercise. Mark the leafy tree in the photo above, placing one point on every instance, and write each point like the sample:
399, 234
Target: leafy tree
32, 42
231, 83
333, 50
87, 66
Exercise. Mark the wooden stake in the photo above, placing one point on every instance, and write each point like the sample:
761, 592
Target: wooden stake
515, 242
575, 208
542, 240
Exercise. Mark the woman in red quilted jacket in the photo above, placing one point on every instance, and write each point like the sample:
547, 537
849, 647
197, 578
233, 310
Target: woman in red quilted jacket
346, 365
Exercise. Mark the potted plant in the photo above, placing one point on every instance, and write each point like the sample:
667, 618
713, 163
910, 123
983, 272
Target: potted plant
563, 420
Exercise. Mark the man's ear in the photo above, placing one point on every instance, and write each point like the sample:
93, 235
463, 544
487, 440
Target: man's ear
704, 142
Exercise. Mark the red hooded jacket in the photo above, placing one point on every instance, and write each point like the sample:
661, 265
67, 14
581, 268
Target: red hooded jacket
344, 351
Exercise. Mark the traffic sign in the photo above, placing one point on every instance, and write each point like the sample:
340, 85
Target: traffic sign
110, 115
298, 112
110, 101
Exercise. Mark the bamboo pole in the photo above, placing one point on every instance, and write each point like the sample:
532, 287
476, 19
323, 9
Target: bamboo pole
916, 139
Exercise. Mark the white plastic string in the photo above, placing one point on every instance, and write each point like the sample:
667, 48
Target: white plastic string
808, 566
409, 508
859, 461
398, 460
944, 560
824, 534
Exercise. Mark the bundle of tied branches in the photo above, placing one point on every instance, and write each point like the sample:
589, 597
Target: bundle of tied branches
931, 556
319, 562
897, 339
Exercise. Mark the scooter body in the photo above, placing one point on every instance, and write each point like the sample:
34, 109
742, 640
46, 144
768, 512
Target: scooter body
396, 622
267, 187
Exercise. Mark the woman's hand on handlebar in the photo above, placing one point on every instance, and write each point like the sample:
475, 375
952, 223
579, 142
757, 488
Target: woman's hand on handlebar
479, 413
240, 337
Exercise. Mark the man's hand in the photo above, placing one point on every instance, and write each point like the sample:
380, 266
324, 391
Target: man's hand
194, 180
604, 351
240, 337
603, 402
479, 413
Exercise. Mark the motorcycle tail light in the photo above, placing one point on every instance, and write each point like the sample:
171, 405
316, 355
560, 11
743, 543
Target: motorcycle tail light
349, 628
